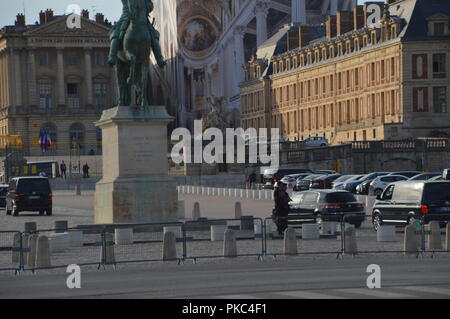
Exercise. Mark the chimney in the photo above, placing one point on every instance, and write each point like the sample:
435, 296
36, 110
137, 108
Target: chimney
42, 17
20, 20
358, 17
344, 22
48, 15
367, 14
100, 18
331, 27
293, 38
304, 36
85, 14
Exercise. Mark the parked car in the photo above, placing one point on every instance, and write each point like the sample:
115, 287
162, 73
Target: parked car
341, 180
408, 174
379, 184
437, 178
328, 205
363, 188
30, 194
325, 172
324, 182
271, 176
305, 183
404, 203
3, 192
425, 176
291, 180
351, 185
315, 141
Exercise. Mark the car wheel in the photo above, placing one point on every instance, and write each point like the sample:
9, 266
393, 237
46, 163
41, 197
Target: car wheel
49, 212
378, 191
377, 221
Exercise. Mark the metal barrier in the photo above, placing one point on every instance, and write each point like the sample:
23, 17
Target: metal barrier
101, 245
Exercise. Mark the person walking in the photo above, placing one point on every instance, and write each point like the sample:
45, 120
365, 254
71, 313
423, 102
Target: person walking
86, 171
282, 200
63, 168
252, 180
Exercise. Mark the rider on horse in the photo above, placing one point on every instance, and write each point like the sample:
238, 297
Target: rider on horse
118, 31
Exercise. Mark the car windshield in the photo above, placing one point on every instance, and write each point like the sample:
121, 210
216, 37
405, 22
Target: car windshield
436, 192
38, 185
344, 178
340, 198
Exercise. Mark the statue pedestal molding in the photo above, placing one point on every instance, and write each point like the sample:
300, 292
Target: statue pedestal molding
135, 187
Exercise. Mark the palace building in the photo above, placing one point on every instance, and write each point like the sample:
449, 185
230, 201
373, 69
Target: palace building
354, 79
55, 78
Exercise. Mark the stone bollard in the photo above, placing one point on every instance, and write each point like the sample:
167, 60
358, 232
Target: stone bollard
447, 237
43, 258
290, 242
181, 212
107, 253
218, 232
61, 226
177, 230
310, 231
410, 245
16, 246
434, 238
169, 247
229, 244
32, 244
76, 238
386, 234
30, 227
78, 190
350, 241
123, 236
25, 246
237, 210
196, 211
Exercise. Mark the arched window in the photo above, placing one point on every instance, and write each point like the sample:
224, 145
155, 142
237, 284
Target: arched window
76, 136
51, 129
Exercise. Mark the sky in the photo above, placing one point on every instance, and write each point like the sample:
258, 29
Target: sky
110, 8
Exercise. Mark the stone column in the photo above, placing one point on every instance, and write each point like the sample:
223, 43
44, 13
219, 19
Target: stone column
298, 11
207, 71
88, 76
239, 33
60, 76
32, 86
333, 7
17, 77
261, 11
192, 82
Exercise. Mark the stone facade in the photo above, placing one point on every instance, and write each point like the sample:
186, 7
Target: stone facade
350, 81
57, 79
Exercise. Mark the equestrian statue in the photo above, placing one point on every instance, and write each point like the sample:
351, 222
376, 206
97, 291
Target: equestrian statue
133, 38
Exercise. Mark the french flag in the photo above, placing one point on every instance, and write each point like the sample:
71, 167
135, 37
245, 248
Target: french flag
44, 140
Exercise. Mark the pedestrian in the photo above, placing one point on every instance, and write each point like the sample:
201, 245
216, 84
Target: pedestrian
282, 200
63, 168
252, 180
86, 171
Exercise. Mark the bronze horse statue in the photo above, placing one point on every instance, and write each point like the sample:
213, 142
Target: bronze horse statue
134, 59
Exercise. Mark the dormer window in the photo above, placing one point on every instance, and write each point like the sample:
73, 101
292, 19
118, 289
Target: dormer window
438, 25
439, 29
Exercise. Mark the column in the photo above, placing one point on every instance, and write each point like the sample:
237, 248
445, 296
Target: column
17, 77
333, 7
192, 82
207, 71
32, 87
88, 76
261, 11
60, 76
298, 11
239, 33
221, 75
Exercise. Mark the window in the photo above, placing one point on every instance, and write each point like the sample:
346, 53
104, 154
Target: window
45, 96
100, 95
439, 29
43, 59
440, 99
76, 136
439, 63
72, 59
73, 97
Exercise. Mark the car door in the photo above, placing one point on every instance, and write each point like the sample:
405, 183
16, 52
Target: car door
387, 205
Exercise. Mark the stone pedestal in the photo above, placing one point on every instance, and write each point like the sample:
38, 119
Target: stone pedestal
135, 187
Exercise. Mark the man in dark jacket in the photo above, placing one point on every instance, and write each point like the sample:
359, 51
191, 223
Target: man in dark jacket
282, 200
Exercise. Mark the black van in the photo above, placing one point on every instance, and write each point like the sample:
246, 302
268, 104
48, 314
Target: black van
406, 202
30, 194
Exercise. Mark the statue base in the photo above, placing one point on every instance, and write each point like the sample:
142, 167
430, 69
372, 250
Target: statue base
135, 187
